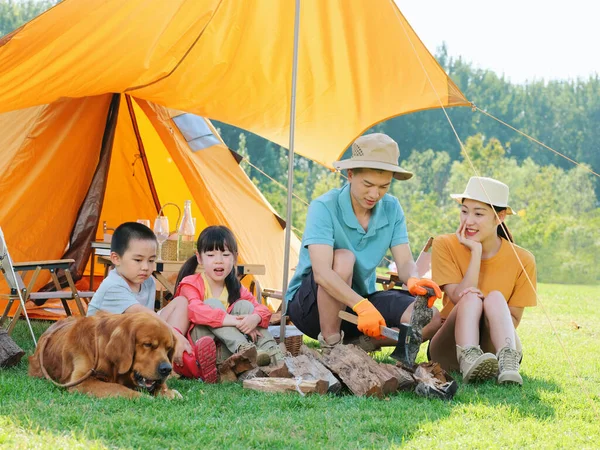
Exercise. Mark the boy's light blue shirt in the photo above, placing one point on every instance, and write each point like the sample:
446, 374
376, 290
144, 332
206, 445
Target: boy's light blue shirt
114, 295
331, 221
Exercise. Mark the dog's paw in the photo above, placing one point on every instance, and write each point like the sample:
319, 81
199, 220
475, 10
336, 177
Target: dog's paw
172, 394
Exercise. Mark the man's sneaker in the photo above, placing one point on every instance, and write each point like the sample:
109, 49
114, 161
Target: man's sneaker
334, 341
205, 351
508, 364
476, 365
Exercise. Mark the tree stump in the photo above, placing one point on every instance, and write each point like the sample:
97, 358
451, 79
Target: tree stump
10, 352
309, 367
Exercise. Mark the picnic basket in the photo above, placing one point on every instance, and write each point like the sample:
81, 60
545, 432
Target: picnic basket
293, 338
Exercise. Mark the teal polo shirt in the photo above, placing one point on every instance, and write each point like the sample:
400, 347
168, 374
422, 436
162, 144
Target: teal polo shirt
331, 221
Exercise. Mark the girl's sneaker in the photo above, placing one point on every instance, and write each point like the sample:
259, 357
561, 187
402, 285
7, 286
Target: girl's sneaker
205, 352
189, 367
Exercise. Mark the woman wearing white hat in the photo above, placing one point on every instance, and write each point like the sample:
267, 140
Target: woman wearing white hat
487, 281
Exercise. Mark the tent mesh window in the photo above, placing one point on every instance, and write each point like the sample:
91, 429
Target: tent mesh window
196, 132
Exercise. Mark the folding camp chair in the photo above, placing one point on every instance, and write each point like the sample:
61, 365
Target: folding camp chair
423, 263
15, 273
15, 284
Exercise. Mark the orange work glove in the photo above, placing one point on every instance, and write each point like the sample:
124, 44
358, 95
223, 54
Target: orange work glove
416, 286
369, 319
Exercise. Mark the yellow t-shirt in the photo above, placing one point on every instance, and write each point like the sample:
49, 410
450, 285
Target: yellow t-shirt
223, 298
502, 272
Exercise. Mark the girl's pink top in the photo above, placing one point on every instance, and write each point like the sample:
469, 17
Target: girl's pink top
192, 287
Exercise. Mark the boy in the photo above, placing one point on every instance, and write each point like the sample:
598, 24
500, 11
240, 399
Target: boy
130, 287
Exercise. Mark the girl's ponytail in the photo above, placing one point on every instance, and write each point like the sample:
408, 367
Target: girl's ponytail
189, 268
502, 229
233, 286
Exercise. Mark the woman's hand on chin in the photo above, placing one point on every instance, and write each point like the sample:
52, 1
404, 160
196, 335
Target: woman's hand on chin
473, 246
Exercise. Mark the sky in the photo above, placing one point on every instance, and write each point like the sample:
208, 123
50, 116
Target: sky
523, 40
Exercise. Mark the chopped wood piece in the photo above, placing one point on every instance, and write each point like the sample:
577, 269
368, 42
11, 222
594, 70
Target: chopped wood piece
286, 385
10, 352
434, 382
278, 371
406, 382
237, 364
389, 382
240, 362
353, 366
252, 373
311, 353
309, 368
226, 375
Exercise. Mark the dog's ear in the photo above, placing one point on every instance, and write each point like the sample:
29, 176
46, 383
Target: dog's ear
171, 353
121, 347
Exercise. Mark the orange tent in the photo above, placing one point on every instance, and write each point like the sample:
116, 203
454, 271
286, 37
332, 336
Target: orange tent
359, 63
70, 166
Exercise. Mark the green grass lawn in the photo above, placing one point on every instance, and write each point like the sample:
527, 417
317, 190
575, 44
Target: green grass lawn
558, 406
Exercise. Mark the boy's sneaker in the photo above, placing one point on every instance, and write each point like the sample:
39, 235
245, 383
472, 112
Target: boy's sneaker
476, 365
205, 352
508, 363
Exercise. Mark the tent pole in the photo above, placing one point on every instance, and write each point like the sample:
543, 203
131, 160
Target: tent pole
290, 187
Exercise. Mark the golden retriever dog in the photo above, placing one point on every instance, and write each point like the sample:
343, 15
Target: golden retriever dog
108, 355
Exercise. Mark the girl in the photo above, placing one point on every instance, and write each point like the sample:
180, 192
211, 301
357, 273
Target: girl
487, 281
220, 307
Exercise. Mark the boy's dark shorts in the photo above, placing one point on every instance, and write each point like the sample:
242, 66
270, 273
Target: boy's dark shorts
304, 313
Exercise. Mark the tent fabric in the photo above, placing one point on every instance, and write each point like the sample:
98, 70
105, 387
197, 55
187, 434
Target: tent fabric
86, 223
359, 63
49, 156
45, 158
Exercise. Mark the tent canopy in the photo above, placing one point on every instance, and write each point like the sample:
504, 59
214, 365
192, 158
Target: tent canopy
359, 63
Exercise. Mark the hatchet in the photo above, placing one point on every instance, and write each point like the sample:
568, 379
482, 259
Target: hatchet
409, 335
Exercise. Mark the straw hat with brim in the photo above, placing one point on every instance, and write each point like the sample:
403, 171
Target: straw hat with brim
486, 190
375, 151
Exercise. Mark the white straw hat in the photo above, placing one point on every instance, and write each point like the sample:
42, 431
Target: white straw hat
486, 190
375, 151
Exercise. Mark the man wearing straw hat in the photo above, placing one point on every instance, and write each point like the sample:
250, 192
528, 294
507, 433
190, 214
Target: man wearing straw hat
348, 232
